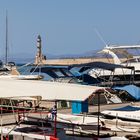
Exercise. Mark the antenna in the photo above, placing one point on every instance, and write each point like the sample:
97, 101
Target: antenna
6, 45
100, 37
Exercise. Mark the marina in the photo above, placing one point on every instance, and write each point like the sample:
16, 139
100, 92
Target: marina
60, 79
82, 106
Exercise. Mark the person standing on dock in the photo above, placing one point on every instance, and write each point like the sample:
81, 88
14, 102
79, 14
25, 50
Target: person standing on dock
53, 111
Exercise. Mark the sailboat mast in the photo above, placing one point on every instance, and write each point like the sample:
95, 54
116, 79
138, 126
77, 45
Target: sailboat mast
6, 45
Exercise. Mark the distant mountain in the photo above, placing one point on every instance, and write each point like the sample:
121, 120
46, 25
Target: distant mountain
83, 55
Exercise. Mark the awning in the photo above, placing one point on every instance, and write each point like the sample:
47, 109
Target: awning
47, 90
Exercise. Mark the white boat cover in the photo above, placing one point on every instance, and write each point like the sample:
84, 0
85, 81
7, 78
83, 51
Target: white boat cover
69, 118
47, 90
23, 98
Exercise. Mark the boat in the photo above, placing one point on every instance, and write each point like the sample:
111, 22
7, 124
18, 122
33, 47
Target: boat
26, 132
134, 61
74, 125
129, 113
56, 73
80, 121
40, 133
104, 74
128, 74
11, 72
21, 77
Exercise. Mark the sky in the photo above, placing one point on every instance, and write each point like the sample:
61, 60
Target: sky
68, 26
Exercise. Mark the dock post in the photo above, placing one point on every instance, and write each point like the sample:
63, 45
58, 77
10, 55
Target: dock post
55, 121
98, 133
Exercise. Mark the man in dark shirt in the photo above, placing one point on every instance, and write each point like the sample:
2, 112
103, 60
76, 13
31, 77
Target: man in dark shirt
54, 111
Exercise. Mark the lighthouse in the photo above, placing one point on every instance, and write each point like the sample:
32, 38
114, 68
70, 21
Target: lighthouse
39, 57
39, 49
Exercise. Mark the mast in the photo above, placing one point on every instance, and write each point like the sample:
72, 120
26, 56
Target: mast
6, 44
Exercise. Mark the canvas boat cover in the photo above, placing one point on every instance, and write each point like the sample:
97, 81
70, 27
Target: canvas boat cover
133, 90
127, 108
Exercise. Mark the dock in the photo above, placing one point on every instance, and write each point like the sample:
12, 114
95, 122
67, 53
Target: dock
11, 119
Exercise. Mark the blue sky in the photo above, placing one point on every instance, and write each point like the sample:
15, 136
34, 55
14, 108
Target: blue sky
68, 26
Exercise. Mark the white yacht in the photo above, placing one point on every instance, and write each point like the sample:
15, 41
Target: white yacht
132, 63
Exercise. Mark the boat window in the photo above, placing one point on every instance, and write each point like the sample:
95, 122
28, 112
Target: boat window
68, 73
75, 71
58, 73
